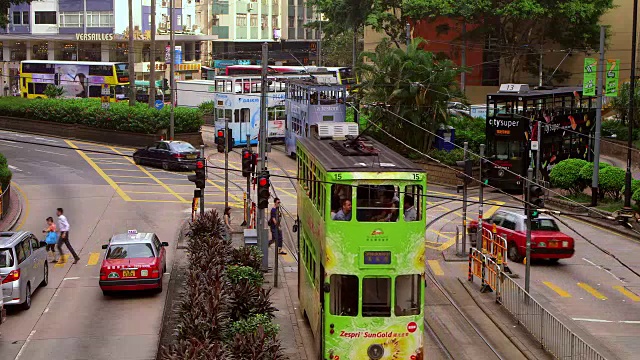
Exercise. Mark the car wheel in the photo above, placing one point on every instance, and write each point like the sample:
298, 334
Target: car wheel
165, 165
514, 255
45, 278
137, 160
158, 290
26, 305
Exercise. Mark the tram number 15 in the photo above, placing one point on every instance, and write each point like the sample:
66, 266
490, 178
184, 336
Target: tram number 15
338, 176
416, 177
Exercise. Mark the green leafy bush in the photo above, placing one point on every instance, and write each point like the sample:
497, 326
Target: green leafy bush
566, 175
636, 197
635, 185
247, 256
237, 274
471, 131
251, 324
120, 116
5, 177
207, 107
620, 130
3, 161
612, 181
447, 157
586, 173
52, 91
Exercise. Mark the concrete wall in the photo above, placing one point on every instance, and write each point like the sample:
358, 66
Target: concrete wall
618, 149
442, 175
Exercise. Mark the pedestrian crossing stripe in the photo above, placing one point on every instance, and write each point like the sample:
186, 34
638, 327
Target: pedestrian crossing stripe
627, 293
61, 261
93, 259
557, 289
592, 291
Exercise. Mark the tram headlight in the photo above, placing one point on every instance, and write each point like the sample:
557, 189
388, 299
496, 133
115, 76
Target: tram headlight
501, 172
375, 352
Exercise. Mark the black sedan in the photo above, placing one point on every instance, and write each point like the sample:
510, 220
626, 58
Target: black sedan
167, 154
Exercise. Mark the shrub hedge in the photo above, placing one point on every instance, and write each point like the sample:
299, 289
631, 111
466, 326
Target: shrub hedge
611, 181
566, 175
5, 173
120, 116
224, 314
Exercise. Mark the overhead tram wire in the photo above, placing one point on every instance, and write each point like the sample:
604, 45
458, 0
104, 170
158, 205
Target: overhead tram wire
222, 168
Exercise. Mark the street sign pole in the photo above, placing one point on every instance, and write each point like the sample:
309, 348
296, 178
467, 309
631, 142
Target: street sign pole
464, 204
481, 200
226, 162
206, 175
528, 209
263, 237
248, 209
600, 95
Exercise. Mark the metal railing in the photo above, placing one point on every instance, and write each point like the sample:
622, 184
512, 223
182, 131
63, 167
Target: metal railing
5, 200
552, 334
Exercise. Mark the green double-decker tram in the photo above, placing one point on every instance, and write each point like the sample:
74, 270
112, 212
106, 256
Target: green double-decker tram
361, 242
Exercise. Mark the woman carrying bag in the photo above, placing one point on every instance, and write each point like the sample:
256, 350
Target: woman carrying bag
51, 236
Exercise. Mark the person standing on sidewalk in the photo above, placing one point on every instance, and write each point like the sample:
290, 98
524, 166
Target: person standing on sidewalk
227, 223
63, 227
274, 224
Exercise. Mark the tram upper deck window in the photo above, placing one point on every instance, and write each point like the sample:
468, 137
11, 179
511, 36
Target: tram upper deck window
344, 295
408, 297
376, 296
276, 113
223, 86
224, 114
377, 203
508, 150
340, 194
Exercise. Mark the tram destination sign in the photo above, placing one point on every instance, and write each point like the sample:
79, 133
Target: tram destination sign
377, 257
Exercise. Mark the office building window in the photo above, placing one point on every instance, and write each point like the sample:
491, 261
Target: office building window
179, 20
241, 20
71, 19
100, 19
254, 20
292, 21
274, 21
17, 19
25, 18
45, 17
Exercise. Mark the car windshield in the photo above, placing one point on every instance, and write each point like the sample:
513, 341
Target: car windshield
544, 224
182, 147
130, 251
6, 258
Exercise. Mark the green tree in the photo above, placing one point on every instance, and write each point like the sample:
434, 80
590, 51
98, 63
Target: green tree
337, 48
52, 91
620, 103
520, 27
412, 84
4, 10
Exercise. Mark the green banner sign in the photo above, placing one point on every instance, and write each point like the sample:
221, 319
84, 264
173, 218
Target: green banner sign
590, 75
613, 75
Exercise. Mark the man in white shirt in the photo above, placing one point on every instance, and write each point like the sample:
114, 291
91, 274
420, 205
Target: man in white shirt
410, 213
63, 227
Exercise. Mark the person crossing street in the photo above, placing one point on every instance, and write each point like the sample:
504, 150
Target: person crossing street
63, 227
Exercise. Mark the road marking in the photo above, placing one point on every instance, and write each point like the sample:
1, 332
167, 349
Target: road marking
26, 206
50, 140
14, 168
608, 321
129, 176
148, 192
138, 183
71, 278
557, 289
492, 210
110, 162
93, 259
592, 291
222, 189
19, 147
9, 141
438, 246
50, 152
106, 177
627, 293
285, 191
121, 170
26, 342
601, 268
61, 261
435, 267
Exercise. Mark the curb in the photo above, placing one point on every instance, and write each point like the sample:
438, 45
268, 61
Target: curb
618, 229
13, 223
523, 349
181, 234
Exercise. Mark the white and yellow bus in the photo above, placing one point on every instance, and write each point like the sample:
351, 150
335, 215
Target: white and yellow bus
77, 78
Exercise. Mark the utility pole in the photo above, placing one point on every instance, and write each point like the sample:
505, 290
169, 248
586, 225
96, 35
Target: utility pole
226, 162
632, 108
263, 238
132, 63
206, 174
172, 80
84, 16
356, 103
538, 173
407, 28
528, 209
463, 58
464, 202
248, 201
152, 57
481, 200
600, 95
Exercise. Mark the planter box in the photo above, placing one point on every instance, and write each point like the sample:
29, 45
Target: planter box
81, 132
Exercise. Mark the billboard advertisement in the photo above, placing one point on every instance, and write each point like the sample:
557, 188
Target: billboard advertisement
73, 79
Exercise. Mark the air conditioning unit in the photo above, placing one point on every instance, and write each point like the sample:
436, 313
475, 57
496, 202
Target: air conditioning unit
336, 131
250, 6
216, 17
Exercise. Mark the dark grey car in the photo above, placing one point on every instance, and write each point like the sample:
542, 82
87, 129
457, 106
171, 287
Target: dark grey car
168, 155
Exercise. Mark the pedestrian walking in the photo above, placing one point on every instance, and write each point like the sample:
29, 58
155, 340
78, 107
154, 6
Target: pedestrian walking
63, 227
227, 223
274, 224
51, 237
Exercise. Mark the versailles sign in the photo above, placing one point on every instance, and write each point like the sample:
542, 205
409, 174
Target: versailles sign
94, 37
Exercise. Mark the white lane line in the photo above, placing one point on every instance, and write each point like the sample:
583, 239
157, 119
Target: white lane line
7, 142
601, 268
14, 168
25, 344
21, 135
50, 152
71, 278
43, 139
636, 322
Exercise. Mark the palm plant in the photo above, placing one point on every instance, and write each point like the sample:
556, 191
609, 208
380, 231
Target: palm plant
411, 83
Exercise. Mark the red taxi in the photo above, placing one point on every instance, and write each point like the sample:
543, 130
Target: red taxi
133, 261
547, 241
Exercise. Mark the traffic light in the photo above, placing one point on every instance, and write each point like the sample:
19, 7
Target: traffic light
263, 191
199, 178
247, 162
467, 176
486, 167
220, 141
536, 193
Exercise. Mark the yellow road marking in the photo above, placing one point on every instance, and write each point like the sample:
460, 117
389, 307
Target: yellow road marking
285, 191
438, 246
627, 293
149, 192
109, 162
103, 146
26, 206
93, 259
592, 291
557, 289
106, 177
492, 210
62, 260
435, 267
222, 189
120, 170
138, 183
288, 258
170, 190
130, 176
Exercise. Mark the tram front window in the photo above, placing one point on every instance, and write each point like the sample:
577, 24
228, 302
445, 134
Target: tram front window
408, 295
344, 295
377, 203
376, 297
508, 150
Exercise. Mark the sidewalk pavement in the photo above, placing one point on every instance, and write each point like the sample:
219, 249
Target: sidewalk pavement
15, 209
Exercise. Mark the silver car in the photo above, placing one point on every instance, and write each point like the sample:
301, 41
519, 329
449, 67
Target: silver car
23, 267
